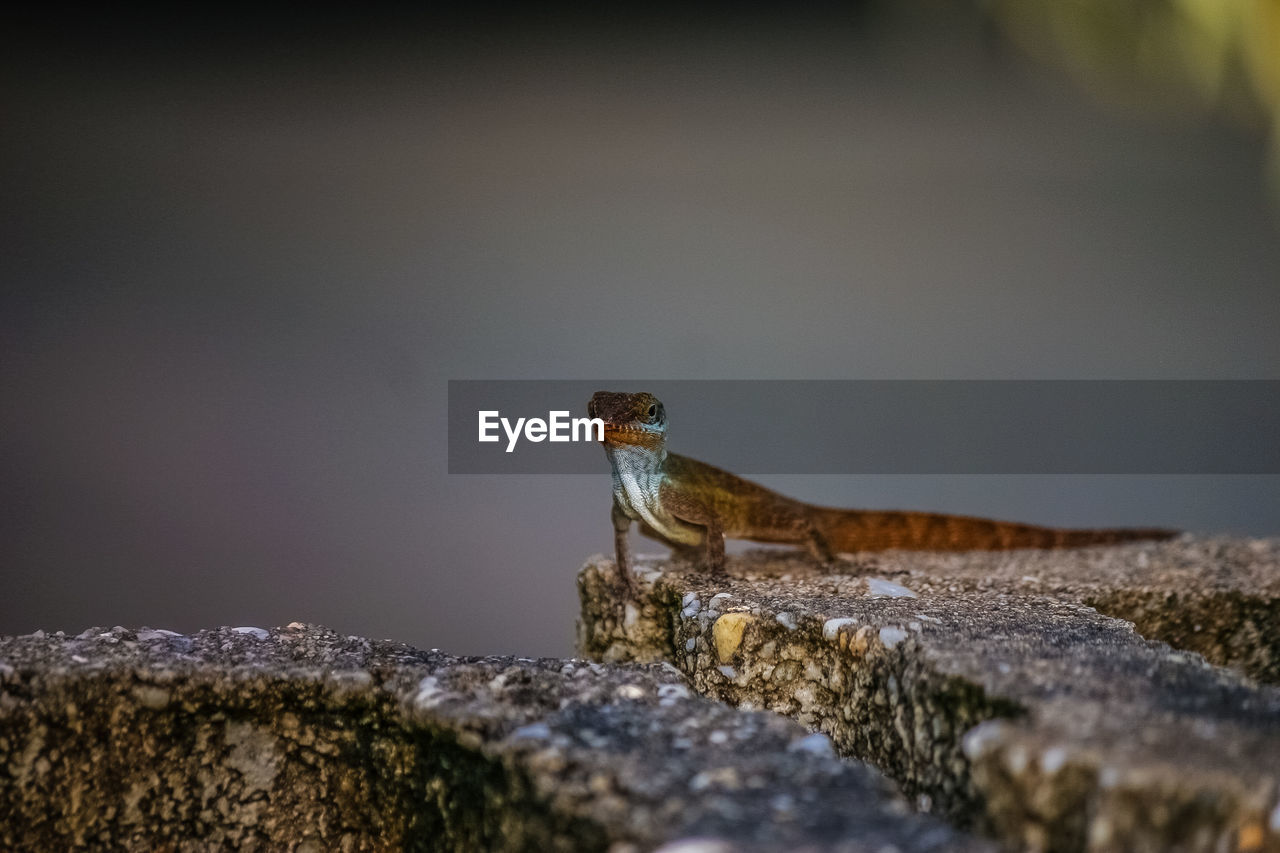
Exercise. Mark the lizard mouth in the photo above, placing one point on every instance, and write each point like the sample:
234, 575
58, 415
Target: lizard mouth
625, 428
628, 434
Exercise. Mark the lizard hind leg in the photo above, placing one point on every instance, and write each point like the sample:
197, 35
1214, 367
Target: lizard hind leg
701, 556
817, 546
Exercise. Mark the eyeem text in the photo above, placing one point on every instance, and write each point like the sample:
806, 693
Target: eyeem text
557, 427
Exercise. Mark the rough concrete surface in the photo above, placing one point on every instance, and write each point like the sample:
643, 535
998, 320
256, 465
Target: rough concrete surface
300, 739
990, 686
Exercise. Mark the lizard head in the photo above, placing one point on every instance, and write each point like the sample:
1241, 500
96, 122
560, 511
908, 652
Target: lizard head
637, 419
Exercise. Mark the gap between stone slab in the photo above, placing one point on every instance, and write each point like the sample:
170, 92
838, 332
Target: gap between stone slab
1230, 629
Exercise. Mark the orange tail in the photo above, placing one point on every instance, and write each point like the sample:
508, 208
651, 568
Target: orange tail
855, 530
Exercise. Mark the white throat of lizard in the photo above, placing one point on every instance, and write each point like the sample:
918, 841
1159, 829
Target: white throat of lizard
637, 477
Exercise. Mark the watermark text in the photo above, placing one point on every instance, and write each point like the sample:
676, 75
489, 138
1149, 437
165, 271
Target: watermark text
557, 427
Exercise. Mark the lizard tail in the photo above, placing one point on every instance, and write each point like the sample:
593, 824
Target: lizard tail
855, 530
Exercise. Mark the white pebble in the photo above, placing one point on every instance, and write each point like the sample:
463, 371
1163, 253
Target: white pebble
782, 803
1053, 760
629, 691
816, 744
673, 691
429, 693
891, 635
831, 628
533, 731
980, 739
881, 588
156, 634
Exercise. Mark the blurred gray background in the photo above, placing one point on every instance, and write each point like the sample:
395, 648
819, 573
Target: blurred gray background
241, 259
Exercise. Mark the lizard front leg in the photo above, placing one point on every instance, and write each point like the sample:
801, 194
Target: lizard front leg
715, 547
622, 547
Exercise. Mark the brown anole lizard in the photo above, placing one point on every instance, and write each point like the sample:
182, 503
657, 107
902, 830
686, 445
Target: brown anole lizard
692, 506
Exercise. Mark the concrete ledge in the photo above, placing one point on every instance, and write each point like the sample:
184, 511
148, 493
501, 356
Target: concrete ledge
990, 686
299, 739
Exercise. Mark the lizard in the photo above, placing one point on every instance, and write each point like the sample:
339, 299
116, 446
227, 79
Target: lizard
692, 506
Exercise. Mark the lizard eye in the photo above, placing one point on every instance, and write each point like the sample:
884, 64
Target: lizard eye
653, 411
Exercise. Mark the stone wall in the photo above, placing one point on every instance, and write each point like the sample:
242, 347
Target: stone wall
299, 739
1004, 690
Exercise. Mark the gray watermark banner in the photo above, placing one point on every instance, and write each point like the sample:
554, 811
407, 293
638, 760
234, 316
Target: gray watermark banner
891, 426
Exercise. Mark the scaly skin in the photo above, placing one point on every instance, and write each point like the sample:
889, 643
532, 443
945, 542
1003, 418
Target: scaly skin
692, 506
